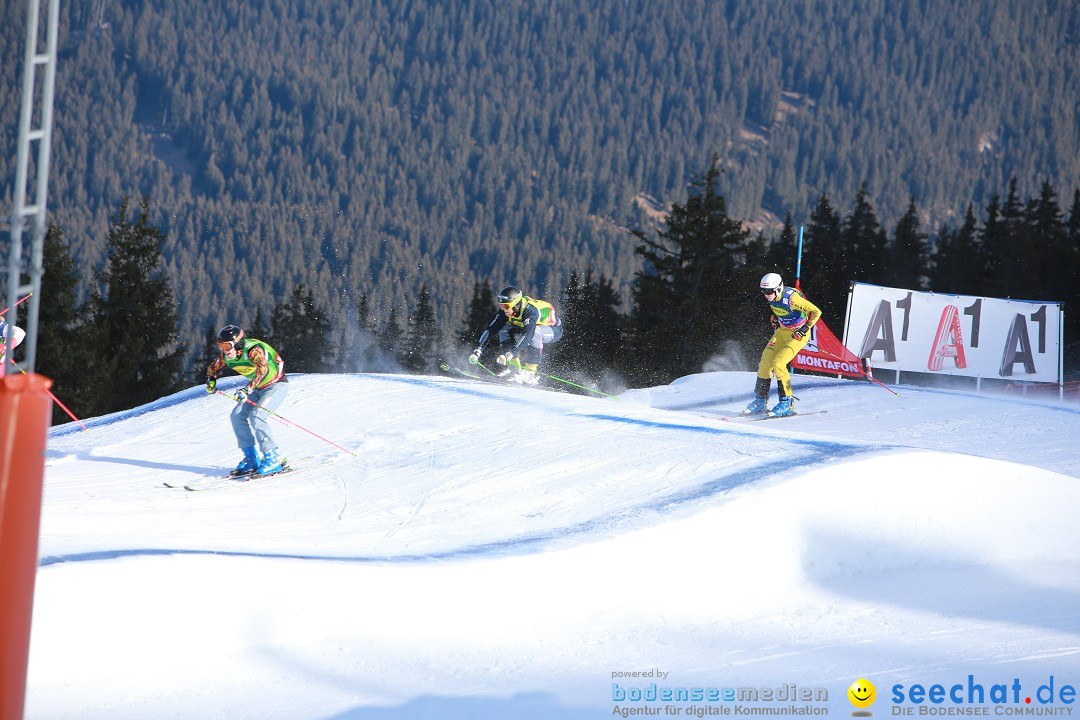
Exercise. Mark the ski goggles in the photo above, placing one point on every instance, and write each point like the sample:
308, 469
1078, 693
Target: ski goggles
770, 293
229, 348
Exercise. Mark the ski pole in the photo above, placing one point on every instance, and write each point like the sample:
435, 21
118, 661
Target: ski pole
17, 303
62, 406
798, 263
865, 374
285, 420
56, 400
490, 371
2, 313
562, 380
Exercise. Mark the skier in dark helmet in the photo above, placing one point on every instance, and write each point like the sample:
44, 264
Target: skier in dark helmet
266, 388
523, 325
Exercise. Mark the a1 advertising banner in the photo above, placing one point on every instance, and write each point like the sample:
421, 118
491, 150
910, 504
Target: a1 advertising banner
913, 331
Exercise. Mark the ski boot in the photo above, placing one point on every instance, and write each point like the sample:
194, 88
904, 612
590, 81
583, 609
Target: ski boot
785, 407
249, 464
760, 404
527, 375
271, 464
757, 406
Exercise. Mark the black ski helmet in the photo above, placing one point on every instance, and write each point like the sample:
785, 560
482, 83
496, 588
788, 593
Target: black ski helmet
231, 335
510, 298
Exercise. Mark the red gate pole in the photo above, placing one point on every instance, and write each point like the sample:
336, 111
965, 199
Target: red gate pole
25, 416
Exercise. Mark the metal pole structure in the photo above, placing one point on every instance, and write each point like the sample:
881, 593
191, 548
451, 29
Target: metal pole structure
798, 261
35, 61
25, 409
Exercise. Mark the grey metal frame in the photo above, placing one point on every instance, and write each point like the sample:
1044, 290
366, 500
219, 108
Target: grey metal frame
36, 209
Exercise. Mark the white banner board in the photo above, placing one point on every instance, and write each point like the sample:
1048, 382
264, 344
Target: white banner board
914, 331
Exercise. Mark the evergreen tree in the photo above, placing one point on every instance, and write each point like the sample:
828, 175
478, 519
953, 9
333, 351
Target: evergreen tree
864, 240
958, 266
1008, 244
567, 356
592, 330
824, 277
134, 318
907, 252
363, 312
989, 240
210, 353
482, 309
697, 265
1072, 282
62, 326
358, 347
390, 338
606, 322
1054, 255
783, 250
418, 349
1073, 225
259, 330
301, 333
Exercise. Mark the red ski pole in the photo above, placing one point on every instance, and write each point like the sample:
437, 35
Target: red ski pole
285, 420
18, 302
864, 373
62, 405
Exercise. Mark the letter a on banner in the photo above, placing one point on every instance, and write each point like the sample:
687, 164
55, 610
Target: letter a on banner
879, 334
1018, 335
948, 341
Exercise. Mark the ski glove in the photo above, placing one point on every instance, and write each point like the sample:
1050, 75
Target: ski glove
774, 322
801, 333
211, 385
505, 358
474, 359
242, 393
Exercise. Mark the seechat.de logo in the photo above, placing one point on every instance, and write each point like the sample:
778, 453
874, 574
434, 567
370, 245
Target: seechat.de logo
862, 695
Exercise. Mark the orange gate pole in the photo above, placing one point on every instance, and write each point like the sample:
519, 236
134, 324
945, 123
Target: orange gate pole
25, 416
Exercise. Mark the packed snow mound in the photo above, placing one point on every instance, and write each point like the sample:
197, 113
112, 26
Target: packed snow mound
514, 546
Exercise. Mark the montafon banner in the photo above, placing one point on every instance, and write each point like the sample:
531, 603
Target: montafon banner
914, 331
825, 354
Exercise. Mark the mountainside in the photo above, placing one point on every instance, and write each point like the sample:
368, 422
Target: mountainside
377, 147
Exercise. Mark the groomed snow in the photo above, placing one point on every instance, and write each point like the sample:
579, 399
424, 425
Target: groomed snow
502, 552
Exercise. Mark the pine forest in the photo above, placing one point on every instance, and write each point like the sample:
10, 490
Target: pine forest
355, 180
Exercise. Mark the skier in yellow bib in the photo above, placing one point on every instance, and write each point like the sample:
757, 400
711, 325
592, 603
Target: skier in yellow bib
793, 316
523, 325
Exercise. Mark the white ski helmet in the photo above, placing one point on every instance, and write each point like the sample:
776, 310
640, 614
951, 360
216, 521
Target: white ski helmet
771, 283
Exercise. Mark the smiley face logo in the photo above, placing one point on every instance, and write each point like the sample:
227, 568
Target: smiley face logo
862, 693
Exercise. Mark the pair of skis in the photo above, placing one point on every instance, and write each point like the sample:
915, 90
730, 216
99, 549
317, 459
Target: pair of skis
447, 368
754, 417
233, 477
495, 379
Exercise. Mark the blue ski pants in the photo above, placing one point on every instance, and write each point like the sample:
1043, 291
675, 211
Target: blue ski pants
251, 424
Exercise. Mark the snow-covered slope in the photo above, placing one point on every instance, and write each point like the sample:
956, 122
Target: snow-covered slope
495, 552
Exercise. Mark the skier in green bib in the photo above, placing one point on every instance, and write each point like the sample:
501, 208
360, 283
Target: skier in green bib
266, 389
523, 326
